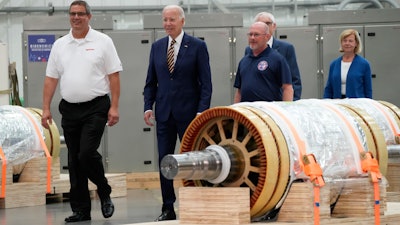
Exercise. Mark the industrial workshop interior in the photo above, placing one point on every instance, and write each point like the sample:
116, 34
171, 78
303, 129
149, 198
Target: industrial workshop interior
310, 161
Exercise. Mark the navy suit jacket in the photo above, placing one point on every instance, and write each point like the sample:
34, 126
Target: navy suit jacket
358, 81
184, 92
287, 50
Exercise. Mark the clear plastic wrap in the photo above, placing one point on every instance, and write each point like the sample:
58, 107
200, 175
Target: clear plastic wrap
381, 114
18, 137
327, 130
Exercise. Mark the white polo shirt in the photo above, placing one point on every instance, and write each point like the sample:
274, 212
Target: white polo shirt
82, 65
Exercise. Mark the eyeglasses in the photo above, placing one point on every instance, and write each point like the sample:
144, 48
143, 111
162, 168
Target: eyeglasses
256, 35
79, 14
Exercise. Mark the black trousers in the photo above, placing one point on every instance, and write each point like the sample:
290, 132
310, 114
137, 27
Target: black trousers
83, 125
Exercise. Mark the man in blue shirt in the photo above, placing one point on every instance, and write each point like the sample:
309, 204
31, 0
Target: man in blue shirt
263, 74
285, 49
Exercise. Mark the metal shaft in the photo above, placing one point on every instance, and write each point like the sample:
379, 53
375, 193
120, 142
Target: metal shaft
212, 164
393, 151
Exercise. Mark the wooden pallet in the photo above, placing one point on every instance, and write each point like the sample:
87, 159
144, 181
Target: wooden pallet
385, 220
208, 205
146, 180
31, 188
393, 175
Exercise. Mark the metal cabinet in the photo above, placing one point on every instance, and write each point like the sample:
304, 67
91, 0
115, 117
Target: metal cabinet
305, 42
131, 143
219, 50
382, 51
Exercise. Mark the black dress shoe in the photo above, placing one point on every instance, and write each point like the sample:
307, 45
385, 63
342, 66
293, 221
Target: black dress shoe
167, 215
107, 207
78, 216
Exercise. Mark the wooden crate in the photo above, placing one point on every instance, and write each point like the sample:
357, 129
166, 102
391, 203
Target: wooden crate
299, 203
391, 217
385, 220
147, 180
393, 175
356, 198
353, 198
207, 205
30, 190
24, 194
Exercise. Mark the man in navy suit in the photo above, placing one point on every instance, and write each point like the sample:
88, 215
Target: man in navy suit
284, 48
178, 95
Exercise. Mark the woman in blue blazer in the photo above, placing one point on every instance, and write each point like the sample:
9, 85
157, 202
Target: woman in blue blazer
350, 74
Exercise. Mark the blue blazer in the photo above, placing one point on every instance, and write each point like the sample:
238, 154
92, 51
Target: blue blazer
287, 51
358, 82
184, 92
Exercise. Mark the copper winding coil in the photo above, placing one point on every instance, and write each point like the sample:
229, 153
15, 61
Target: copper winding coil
265, 161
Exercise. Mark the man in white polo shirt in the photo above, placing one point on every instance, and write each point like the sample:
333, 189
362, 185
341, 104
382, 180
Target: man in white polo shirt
87, 65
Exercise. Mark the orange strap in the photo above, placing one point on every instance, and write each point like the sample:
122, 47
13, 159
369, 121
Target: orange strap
316, 205
371, 166
351, 129
368, 164
308, 163
3, 173
300, 143
313, 170
44, 146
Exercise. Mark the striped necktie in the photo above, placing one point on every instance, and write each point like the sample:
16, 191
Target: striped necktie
170, 56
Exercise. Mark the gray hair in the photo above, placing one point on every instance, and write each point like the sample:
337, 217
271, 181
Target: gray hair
264, 14
82, 3
177, 7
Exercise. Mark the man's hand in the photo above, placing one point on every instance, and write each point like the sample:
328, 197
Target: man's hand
113, 117
148, 118
46, 118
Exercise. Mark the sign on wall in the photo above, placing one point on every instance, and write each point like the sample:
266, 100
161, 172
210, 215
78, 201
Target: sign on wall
39, 47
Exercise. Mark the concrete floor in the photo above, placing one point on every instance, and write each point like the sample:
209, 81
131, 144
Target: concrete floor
138, 206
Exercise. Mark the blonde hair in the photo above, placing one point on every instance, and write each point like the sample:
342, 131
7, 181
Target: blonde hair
347, 33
